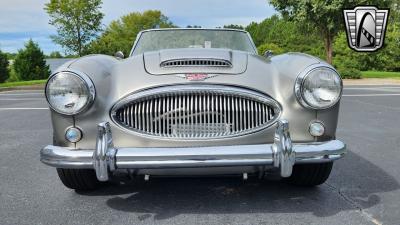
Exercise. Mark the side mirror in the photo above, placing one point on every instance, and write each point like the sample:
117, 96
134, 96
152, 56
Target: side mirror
268, 53
119, 55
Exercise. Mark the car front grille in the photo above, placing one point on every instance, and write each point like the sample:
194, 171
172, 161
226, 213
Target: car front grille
196, 112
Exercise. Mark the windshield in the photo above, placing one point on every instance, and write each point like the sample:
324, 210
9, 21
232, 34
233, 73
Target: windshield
155, 40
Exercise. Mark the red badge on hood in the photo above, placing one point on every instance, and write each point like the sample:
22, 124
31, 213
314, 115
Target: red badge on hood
196, 76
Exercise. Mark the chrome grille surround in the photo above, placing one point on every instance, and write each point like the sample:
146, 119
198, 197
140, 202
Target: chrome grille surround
195, 112
196, 63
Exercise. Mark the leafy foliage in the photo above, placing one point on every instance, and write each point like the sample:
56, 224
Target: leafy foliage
77, 22
193, 26
13, 77
120, 34
173, 39
282, 35
10, 56
276, 50
315, 27
325, 16
385, 59
349, 73
30, 63
234, 26
291, 35
55, 55
4, 73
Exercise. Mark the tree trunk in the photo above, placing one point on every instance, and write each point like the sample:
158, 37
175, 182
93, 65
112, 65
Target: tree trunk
328, 47
79, 41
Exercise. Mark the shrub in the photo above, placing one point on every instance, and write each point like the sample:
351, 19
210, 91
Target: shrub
4, 73
349, 73
13, 75
270, 46
30, 63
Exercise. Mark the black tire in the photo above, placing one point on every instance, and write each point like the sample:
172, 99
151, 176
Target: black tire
79, 179
310, 174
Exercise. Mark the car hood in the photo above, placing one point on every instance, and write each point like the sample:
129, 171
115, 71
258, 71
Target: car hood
183, 61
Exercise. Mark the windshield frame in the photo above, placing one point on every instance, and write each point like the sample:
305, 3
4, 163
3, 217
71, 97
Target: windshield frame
211, 29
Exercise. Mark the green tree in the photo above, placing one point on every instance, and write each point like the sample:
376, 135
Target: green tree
13, 77
4, 73
30, 63
282, 35
193, 26
325, 16
387, 58
55, 55
77, 22
10, 56
234, 26
276, 50
120, 34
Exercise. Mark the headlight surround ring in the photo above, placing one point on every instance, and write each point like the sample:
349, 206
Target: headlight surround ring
86, 82
304, 75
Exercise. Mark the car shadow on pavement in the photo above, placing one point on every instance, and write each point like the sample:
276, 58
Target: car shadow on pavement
350, 187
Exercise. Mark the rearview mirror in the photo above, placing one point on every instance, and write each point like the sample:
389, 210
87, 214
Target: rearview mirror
268, 53
119, 55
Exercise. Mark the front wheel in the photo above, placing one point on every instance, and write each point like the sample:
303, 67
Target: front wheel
310, 174
79, 179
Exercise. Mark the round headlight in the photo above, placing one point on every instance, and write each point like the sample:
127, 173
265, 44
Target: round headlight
318, 87
69, 93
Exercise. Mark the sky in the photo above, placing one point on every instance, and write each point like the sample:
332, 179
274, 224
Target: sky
21, 20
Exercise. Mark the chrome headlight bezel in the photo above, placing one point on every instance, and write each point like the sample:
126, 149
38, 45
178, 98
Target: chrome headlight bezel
299, 84
88, 83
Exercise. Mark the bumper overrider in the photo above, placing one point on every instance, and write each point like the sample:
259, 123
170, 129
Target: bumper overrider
106, 158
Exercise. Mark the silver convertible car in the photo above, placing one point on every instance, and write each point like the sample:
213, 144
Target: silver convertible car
193, 102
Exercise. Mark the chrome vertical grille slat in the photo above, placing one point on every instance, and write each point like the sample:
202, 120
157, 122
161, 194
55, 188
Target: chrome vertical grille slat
196, 112
130, 116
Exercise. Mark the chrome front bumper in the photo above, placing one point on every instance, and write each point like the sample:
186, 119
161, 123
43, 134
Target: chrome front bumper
105, 159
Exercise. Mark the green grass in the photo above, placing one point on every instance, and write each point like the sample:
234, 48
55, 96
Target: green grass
22, 83
380, 74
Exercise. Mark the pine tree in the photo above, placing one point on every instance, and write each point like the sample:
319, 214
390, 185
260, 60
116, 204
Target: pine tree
4, 73
30, 63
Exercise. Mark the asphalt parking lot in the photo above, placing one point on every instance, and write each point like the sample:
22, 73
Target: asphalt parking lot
363, 188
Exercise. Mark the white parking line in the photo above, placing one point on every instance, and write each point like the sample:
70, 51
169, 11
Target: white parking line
376, 90
20, 99
4, 109
370, 88
29, 93
370, 95
23, 91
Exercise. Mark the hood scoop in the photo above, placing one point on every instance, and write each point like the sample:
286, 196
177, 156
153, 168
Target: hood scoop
196, 62
183, 61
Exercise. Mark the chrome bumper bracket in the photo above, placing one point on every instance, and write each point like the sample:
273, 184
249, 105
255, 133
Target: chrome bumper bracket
104, 155
284, 156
